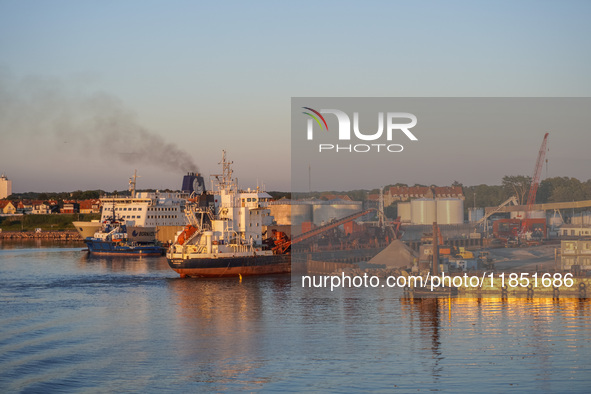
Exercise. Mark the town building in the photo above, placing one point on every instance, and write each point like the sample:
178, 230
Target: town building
5, 187
90, 206
7, 207
407, 193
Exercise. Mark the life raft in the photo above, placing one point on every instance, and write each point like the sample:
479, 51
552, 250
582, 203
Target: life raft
187, 232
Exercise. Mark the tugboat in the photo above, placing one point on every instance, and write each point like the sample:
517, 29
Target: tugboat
112, 239
224, 236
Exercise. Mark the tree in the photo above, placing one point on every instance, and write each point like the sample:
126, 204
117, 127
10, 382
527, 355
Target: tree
563, 189
517, 185
391, 211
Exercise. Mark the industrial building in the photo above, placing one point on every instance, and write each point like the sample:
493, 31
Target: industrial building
575, 255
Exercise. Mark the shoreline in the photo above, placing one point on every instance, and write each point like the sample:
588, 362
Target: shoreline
68, 235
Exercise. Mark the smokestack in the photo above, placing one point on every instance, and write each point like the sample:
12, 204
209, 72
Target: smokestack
193, 182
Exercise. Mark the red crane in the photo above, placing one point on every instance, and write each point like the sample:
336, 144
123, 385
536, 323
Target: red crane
533, 189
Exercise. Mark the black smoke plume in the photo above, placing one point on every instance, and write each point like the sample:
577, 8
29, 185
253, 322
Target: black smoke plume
37, 106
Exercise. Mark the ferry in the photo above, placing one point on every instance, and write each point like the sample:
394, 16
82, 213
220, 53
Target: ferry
148, 215
224, 236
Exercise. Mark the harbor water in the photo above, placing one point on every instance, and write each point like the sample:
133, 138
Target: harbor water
70, 322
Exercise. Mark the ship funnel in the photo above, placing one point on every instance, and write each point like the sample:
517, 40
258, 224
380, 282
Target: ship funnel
193, 182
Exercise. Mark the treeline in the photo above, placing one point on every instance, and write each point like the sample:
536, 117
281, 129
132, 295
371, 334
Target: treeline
44, 222
557, 189
77, 195
45, 196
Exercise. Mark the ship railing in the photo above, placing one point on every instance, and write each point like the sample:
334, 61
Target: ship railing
190, 215
195, 234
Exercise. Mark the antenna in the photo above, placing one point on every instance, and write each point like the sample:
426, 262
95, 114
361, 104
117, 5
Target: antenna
132, 183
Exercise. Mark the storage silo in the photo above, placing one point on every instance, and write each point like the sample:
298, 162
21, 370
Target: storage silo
326, 211
301, 213
475, 214
286, 213
404, 211
450, 211
423, 211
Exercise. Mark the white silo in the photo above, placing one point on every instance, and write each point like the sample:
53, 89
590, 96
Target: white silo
423, 211
450, 211
404, 211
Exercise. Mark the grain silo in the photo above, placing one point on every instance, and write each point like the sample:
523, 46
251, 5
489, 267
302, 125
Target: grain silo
450, 211
404, 212
423, 211
475, 214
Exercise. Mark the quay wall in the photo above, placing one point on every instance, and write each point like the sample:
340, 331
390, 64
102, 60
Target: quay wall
53, 235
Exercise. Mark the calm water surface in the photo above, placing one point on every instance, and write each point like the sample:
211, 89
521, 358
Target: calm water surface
74, 323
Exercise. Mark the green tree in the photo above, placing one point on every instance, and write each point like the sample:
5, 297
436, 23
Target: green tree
563, 189
517, 185
391, 211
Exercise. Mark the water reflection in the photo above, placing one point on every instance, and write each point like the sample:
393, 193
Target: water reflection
221, 327
74, 322
130, 264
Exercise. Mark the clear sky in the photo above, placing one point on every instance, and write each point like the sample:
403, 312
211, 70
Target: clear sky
91, 90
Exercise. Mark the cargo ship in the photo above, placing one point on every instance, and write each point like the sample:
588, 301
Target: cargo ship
225, 235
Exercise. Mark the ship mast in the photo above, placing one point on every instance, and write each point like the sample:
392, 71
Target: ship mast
226, 182
132, 183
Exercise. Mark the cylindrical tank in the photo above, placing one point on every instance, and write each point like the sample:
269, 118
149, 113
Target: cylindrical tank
404, 212
326, 211
301, 213
450, 211
475, 214
288, 214
423, 211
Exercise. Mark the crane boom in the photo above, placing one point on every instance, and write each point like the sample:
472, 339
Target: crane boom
284, 244
531, 198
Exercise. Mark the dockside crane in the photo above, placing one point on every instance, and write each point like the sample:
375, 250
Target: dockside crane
533, 189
